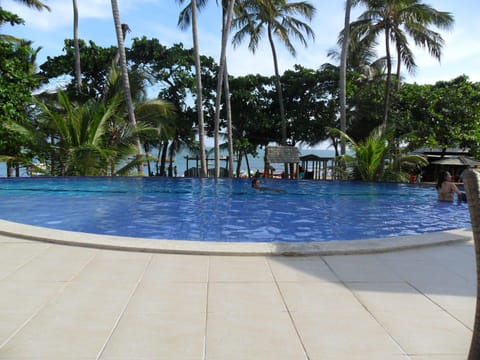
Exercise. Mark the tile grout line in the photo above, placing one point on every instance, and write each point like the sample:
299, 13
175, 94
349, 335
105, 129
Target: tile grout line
439, 306
400, 347
27, 261
206, 311
48, 302
124, 308
307, 357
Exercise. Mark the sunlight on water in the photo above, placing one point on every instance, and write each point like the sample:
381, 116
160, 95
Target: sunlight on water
228, 209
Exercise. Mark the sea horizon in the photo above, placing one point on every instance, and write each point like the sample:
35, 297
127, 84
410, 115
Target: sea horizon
180, 161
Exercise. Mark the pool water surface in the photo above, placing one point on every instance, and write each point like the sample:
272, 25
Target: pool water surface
228, 209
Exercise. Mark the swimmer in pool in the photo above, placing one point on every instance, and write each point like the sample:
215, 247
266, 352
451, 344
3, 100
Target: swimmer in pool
257, 185
446, 188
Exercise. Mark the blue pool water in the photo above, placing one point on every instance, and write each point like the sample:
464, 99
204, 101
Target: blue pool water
228, 209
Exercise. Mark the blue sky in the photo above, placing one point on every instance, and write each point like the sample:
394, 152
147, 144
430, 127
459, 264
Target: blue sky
158, 18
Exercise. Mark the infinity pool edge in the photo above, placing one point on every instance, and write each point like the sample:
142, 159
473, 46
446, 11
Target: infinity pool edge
337, 247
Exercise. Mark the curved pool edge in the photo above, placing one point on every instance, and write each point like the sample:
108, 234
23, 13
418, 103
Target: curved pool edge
338, 247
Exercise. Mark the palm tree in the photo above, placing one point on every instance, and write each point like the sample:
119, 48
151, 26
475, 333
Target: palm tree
14, 19
190, 12
369, 159
78, 71
80, 130
124, 70
343, 72
277, 19
228, 110
34, 4
398, 20
227, 14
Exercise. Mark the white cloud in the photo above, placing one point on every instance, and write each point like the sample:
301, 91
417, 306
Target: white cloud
158, 19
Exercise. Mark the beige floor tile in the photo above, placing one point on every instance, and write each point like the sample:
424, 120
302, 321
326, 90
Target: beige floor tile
27, 296
365, 357
267, 335
466, 317
58, 263
301, 269
174, 268
239, 268
60, 302
15, 255
439, 357
339, 334
244, 298
57, 335
10, 324
115, 266
93, 297
157, 336
434, 332
397, 296
318, 297
154, 298
360, 268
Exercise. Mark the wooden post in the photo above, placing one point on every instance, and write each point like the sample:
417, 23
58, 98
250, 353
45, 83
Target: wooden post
471, 180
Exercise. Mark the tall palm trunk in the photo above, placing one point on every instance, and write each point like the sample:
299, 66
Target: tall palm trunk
198, 77
399, 66
228, 109
125, 79
227, 15
388, 85
278, 85
471, 180
78, 71
343, 73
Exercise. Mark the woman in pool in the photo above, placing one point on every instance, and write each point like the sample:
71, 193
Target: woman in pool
256, 185
446, 188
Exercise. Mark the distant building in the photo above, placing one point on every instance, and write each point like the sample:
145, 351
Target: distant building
450, 159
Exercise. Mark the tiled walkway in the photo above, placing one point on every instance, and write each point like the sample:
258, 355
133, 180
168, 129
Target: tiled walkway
66, 302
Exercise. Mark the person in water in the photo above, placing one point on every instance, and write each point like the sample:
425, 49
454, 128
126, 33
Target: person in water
446, 188
257, 185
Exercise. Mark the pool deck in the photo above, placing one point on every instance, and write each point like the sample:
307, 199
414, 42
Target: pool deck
77, 302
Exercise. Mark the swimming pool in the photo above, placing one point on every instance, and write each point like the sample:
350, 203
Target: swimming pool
228, 210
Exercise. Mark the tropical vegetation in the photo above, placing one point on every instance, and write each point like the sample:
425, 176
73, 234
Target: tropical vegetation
296, 107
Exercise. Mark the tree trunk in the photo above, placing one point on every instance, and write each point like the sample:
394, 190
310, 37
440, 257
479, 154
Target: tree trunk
399, 65
125, 79
389, 80
278, 85
343, 73
227, 15
471, 180
228, 109
198, 77
78, 71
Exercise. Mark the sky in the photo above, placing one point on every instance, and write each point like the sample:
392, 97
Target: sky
158, 19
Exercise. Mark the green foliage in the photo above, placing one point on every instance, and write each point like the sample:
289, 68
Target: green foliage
96, 63
444, 115
17, 80
310, 102
80, 134
373, 160
254, 116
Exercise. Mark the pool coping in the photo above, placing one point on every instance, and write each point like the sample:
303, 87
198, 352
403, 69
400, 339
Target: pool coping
337, 247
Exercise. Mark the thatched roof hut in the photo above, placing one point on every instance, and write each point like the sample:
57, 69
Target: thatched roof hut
288, 155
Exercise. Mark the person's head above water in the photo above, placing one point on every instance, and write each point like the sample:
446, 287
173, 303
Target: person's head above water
256, 183
442, 177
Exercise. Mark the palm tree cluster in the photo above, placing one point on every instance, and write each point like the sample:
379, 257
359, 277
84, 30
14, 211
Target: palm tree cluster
280, 21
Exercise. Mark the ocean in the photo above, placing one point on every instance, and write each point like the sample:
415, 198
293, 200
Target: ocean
256, 163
